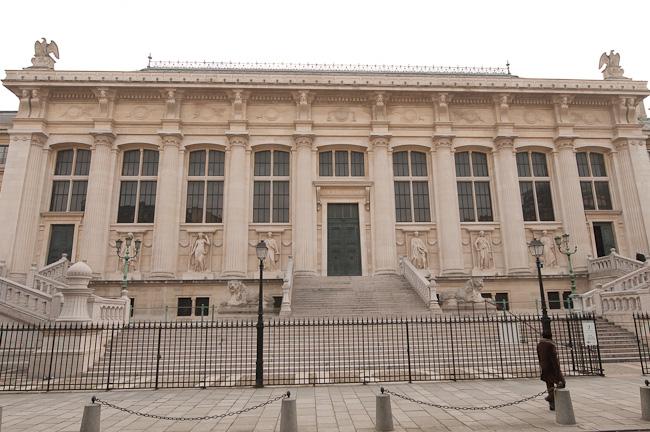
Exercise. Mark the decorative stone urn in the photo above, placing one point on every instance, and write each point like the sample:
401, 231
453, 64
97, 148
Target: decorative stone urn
76, 294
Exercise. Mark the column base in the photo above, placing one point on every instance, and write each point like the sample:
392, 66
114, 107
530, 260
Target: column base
388, 271
454, 272
519, 271
162, 275
305, 273
234, 274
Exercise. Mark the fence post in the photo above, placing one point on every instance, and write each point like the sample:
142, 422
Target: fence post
158, 356
636, 318
110, 358
453, 355
601, 371
569, 322
408, 349
49, 373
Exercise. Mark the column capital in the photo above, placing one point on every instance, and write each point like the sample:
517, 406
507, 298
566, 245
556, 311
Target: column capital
238, 139
504, 143
624, 142
103, 138
565, 143
303, 140
171, 139
380, 140
442, 141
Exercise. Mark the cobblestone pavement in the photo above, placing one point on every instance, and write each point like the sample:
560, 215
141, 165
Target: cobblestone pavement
603, 404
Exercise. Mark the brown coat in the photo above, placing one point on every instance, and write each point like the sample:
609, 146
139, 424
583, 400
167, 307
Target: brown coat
549, 361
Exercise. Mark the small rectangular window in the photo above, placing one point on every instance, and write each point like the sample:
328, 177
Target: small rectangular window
566, 300
280, 163
400, 164
523, 167
197, 164
147, 204
583, 165
357, 164
131, 163
539, 165
59, 200
544, 201
184, 306
214, 202
527, 201
554, 300
4, 150
483, 201
216, 162
64, 162
422, 212
78, 197
462, 165
261, 202
280, 202
325, 164
603, 198
263, 163
150, 163
502, 301
465, 201
418, 164
128, 197
194, 206
202, 306
402, 201
479, 164
587, 195
341, 163
82, 165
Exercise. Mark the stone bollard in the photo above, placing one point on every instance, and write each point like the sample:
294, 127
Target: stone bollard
645, 403
384, 414
0, 419
564, 407
90, 419
288, 415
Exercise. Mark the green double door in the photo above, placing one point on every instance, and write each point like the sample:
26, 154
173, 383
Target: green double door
343, 240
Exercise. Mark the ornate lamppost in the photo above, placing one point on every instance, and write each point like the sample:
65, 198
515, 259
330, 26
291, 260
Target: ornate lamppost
261, 251
536, 249
562, 243
126, 257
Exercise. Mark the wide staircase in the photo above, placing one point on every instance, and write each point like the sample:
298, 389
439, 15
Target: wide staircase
617, 345
348, 296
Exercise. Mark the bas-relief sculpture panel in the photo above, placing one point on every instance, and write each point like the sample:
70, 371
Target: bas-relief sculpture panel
135, 112
138, 268
205, 112
589, 116
420, 246
472, 116
279, 244
340, 114
482, 250
72, 111
271, 113
200, 253
410, 115
526, 116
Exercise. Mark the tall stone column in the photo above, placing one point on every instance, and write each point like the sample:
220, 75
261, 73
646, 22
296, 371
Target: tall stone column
509, 201
383, 224
26, 226
447, 214
633, 174
94, 237
573, 212
304, 224
166, 221
236, 208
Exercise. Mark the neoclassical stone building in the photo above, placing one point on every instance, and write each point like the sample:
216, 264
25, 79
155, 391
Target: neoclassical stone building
343, 169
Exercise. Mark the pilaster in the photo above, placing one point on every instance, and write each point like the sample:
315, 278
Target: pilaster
304, 223
383, 218
446, 201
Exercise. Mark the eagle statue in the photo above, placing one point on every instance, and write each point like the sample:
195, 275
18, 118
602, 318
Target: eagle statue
612, 65
42, 51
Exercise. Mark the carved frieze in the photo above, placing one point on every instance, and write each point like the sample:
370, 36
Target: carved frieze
472, 116
589, 117
139, 112
410, 115
205, 112
73, 111
525, 116
271, 113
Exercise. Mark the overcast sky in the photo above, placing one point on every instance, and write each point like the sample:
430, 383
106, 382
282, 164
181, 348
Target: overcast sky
545, 39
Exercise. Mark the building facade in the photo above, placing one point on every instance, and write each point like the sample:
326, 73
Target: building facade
345, 170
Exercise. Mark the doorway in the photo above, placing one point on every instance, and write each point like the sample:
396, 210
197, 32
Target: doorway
61, 241
343, 240
604, 237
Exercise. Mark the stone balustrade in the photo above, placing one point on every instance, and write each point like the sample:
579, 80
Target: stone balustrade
637, 279
612, 263
425, 288
47, 285
109, 311
287, 290
26, 300
57, 270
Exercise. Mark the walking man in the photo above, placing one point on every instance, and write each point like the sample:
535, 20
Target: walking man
550, 365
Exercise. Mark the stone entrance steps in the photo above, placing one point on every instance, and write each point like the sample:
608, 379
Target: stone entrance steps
353, 296
616, 343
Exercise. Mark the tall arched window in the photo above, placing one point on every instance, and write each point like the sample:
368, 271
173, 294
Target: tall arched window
474, 197
411, 187
535, 187
70, 180
271, 187
594, 183
138, 186
205, 175
343, 163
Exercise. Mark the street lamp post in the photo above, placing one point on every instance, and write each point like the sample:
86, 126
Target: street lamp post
562, 243
536, 249
261, 251
126, 257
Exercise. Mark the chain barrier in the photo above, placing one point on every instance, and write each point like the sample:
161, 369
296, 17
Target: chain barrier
95, 399
462, 408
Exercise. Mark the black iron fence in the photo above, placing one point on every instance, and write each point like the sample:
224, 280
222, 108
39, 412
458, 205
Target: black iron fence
309, 351
642, 331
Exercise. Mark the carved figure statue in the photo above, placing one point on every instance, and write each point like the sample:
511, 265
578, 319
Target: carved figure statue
238, 293
238, 106
198, 253
379, 108
483, 251
550, 258
273, 252
42, 51
612, 65
419, 253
